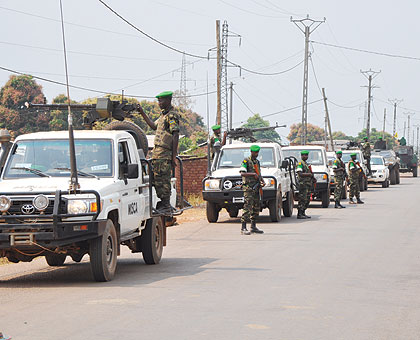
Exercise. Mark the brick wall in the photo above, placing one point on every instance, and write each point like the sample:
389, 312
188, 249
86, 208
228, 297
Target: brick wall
195, 169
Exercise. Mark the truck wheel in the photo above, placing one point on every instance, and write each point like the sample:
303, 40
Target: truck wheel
366, 184
275, 208
103, 254
55, 260
344, 192
152, 241
385, 184
361, 184
233, 212
325, 198
415, 171
397, 176
288, 205
134, 130
212, 212
392, 176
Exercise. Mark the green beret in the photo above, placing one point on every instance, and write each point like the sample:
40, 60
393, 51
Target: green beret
215, 127
304, 152
353, 154
339, 152
165, 94
365, 138
255, 148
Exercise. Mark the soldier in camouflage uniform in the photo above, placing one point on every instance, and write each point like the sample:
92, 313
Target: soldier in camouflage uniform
306, 180
367, 153
339, 177
252, 182
165, 149
354, 173
216, 140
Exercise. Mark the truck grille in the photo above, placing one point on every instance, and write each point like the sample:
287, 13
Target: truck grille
232, 184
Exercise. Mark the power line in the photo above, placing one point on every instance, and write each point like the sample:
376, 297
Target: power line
345, 107
250, 12
243, 102
263, 73
366, 51
313, 71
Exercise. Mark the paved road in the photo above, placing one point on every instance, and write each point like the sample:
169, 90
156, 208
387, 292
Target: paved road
347, 274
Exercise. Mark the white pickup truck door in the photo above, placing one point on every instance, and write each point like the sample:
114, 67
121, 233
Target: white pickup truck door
131, 207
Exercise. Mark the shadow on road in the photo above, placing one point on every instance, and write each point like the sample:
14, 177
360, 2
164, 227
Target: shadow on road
131, 272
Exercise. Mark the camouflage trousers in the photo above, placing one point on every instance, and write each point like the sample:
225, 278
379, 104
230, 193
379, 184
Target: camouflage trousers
162, 171
251, 208
339, 187
304, 196
354, 187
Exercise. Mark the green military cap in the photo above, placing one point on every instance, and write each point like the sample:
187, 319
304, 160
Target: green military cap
255, 148
304, 152
339, 152
353, 154
215, 127
365, 138
165, 94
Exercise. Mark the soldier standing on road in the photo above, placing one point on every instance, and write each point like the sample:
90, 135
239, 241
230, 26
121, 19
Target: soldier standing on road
366, 153
354, 173
339, 177
252, 182
165, 149
306, 180
215, 140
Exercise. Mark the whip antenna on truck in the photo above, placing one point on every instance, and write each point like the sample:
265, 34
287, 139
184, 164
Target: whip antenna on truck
74, 184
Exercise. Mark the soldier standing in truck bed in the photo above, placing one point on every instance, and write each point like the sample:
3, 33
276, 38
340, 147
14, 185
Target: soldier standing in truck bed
367, 153
166, 148
216, 139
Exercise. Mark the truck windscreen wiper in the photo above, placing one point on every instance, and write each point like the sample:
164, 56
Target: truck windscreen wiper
81, 173
34, 171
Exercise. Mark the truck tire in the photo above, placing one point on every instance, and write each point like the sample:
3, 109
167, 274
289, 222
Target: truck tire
55, 260
361, 184
274, 206
138, 134
325, 198
366, 184
152, 241
415, 171
393, 176
344, 192
103, 254
233, 212
288, 204
385, 184
397, 176
212, 212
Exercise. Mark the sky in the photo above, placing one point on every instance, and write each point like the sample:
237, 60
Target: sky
105, 54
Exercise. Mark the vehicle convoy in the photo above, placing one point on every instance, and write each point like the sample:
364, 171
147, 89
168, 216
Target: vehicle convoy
392, 162
363, 180
223, 187
408, 159
114, 205
318, 162
331, 158
380, 172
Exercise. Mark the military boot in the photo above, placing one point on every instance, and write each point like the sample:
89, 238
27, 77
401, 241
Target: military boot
351, 201
359, 201
164, 207
342, 206
300, 216
337, 205
244, 230
304, 214
254, 228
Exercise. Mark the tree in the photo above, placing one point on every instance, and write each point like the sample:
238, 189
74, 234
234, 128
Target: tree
314, 133
256, 121
375, 135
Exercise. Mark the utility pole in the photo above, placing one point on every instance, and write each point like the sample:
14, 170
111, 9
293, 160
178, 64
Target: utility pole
418, 140
327, 116
183, 84
231, 110
395, 102
306, 26
408, 126
219, 69
404, 128
383, 130
370, 75
224, 122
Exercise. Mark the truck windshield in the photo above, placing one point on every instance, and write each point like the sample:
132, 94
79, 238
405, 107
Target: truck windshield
346, 157
377, 161
315, 156
233, 158
51, 158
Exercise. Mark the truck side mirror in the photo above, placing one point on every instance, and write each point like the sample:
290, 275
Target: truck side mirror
133, 171
284, 164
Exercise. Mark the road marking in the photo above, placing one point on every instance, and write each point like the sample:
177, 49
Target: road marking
256, 326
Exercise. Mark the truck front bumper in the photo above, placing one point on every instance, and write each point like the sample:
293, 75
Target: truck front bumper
235, 197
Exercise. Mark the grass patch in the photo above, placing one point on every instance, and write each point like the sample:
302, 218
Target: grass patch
196, 200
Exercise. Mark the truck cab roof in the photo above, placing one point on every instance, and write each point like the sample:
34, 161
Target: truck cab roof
78, 134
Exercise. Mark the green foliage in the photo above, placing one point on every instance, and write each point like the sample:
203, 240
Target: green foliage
62, 99
184, 144
256, 121
314, 133
375, 135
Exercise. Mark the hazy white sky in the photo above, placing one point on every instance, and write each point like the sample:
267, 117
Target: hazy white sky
106, 54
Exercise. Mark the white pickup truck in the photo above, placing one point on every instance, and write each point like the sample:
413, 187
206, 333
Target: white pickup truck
113, 207
223, 188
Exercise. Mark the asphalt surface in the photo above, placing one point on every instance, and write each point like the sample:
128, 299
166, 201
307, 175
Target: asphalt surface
345, 274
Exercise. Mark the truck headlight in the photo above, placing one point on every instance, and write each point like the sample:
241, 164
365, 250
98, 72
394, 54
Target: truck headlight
41, 202
321, 177
81, 206
269, 182
5, 203
212, 184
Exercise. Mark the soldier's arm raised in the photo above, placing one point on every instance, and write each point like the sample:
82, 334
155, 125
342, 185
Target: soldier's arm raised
146, 118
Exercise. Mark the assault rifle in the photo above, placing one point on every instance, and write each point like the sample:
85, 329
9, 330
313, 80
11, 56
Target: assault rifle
249, 133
